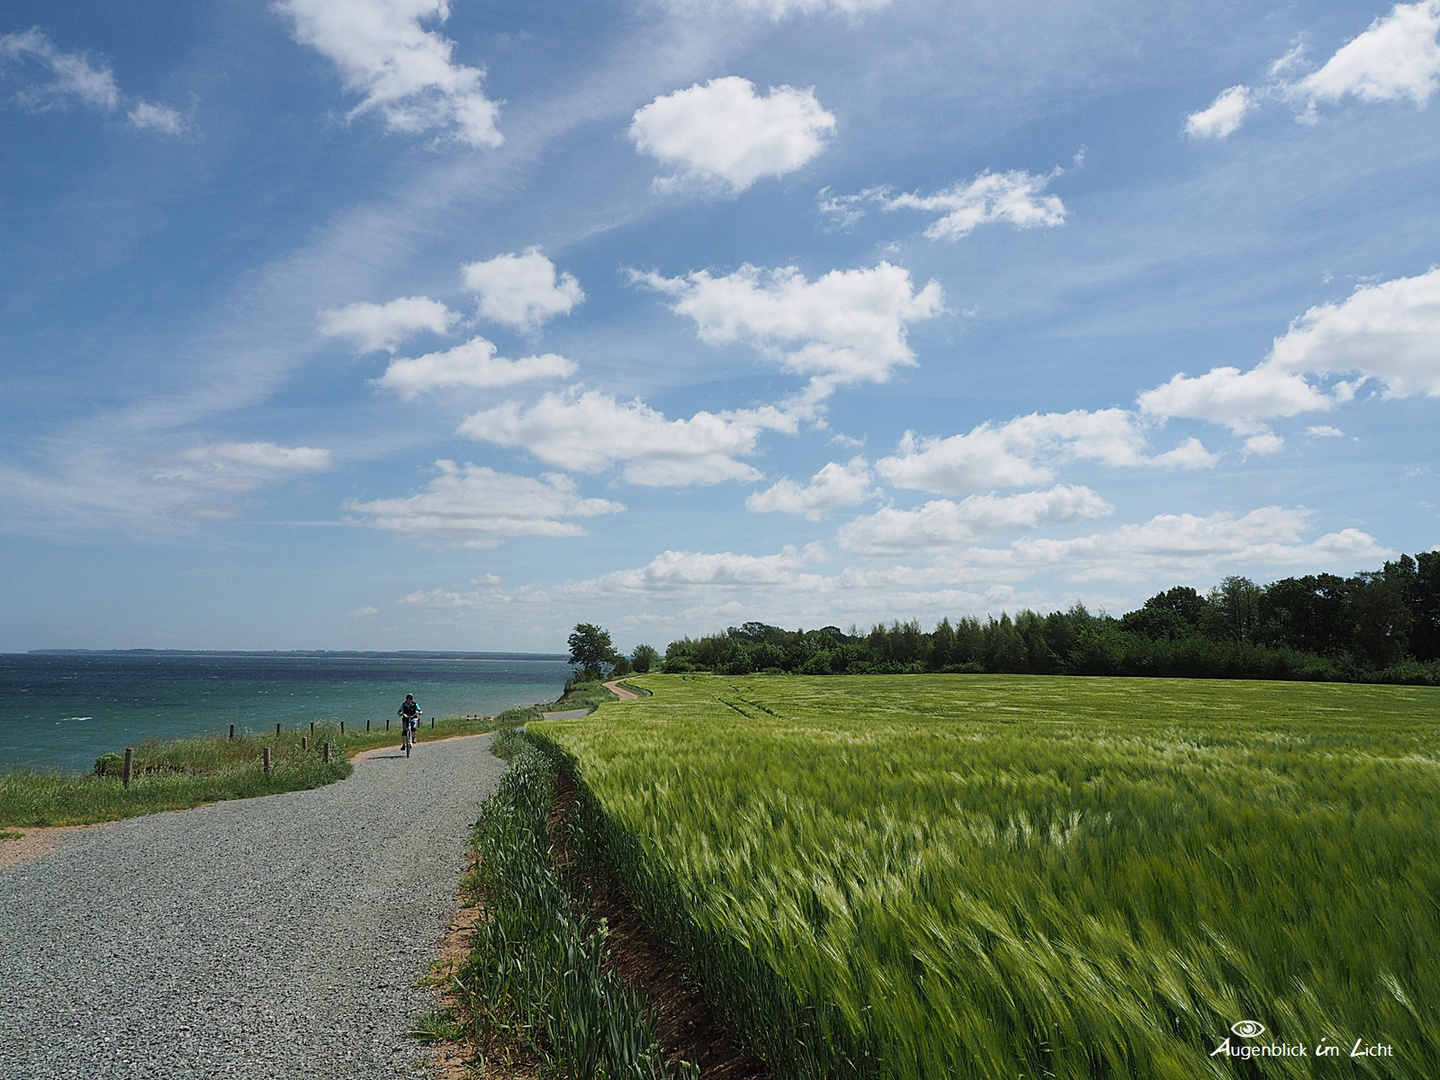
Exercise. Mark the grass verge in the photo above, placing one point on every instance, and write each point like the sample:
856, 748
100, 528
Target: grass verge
183, 773
536, 977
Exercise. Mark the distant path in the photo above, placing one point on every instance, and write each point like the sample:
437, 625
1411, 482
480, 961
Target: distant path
619, 691
278, 937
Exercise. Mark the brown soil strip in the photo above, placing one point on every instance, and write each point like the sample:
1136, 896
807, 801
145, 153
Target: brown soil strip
688, 1029
35, 843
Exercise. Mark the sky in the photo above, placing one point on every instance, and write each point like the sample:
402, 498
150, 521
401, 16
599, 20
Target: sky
448, 324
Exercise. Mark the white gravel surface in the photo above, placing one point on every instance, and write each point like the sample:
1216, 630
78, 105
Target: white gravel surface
268, 938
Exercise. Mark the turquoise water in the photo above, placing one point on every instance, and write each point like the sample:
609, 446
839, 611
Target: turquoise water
63, 710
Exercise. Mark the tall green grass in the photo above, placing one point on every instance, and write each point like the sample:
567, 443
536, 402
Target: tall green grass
991, 876
536, 974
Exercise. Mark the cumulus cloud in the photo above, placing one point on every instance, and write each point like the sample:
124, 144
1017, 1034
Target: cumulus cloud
1174, 546
1019, 452
406, 73
72, 77
832, 487
472, 364
1389, 332
384, 326
522, 291
1223, 116
943, 523
589, 431
1016, 197
725, 135
474, 506
1240, 400
1398, 57
847, 326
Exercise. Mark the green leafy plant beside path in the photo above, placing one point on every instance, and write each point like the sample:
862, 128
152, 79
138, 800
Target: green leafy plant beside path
992, 876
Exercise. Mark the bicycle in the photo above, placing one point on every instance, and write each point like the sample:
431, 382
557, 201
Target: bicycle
409, 731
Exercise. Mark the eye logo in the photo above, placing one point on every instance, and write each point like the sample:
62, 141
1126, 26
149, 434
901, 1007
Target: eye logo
1248, 1029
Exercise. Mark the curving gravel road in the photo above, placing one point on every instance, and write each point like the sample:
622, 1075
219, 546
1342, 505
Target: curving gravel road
268, 938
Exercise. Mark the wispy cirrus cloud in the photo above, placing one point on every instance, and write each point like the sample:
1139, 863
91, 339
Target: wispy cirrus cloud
73, 78
1015, 197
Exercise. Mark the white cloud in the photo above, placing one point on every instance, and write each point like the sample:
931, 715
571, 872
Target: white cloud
384, 326
724, 134
472, 364
72, 75
73, 78
671, 570
1223, 116
1325, 431
1240, 400
238, 467
779, 9
1010, 454
590, 431
1389, 331
943, 523
146, 116
1171, 546
522, 291
832, 487
1014, 196
406, 73
1264, 444
846, 326
1397, 57
478, 507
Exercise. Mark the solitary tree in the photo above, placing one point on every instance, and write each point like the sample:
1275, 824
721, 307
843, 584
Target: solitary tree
644, 658
590, 650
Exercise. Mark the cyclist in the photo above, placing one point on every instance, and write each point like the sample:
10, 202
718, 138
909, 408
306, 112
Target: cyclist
409, 714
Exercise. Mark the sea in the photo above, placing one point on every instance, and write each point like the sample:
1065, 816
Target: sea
61, 710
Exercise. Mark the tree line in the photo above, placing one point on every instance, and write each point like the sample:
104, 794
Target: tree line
1376, 626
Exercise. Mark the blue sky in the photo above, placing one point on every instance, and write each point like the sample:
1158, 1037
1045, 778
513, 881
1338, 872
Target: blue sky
398, 324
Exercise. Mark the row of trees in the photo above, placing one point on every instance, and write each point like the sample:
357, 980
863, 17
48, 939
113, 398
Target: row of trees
1381, 625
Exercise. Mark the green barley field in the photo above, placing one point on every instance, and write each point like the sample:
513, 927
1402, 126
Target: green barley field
1024, 877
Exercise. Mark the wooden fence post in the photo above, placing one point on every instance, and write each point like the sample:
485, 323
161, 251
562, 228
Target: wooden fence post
129, 773
304, 742
267, 761
312, 727
277, 731
342, 727
325, 753
387, 723
367, 725
432, 723
232, 731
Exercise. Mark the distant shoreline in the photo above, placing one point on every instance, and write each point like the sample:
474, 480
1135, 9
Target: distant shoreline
410, 653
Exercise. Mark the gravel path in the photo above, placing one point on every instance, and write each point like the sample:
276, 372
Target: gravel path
263, 938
